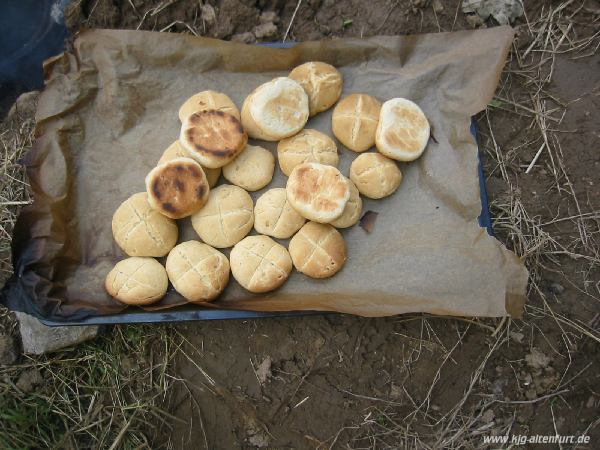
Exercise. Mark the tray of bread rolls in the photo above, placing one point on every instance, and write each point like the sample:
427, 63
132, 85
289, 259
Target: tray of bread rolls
301, 187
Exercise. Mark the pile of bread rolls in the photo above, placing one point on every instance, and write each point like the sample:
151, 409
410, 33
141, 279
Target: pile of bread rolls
316, 201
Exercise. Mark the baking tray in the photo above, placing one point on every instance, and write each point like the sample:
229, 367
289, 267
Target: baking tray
194, 312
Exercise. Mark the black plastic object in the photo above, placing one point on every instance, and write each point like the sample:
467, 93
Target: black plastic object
32, 31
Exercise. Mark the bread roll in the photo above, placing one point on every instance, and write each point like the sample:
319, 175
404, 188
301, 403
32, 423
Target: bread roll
252, 169
175, 150
260, 264
213, 138
137, 281
318, 250
374, 175
140, 230
274, 216
352, 210
275, 110
354, 121
321, 82
197, 271
177, 188
403, 130
226, 218
306, 146
318, 192
205, 100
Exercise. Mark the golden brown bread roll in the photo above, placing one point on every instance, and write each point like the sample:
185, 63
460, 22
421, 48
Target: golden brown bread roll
197, 271
137, 281
140, 230
205, 100
260, 264
252, 169
318, 250
274, 216
177, 188
352, 210
275, 110
403, 130
318, 192
374, 175
306, 146
322, 83
213, 138
226, 218
175, 150
354, 121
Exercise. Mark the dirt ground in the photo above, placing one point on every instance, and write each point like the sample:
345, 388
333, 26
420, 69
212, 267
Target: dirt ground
333, 381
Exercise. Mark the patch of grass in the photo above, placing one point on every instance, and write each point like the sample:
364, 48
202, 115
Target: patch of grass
102, 394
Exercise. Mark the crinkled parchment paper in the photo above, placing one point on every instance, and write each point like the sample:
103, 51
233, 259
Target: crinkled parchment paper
109, 110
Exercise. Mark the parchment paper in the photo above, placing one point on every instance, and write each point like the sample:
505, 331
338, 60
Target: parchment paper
109, 110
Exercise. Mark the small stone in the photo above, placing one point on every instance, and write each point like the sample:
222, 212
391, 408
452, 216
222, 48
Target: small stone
591, 402
437, 6
24, 106
531, 394
537, 359
38, 339
263, 371
488, 416
517, 337
29, 380
556, 288
8, 352
396, 391
435, 407
474, 20
208, 15
246, 38
269, 16
265, 30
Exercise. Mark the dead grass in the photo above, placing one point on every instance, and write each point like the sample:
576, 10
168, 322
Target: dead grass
104, 394
108, 394
524, 92
15, 139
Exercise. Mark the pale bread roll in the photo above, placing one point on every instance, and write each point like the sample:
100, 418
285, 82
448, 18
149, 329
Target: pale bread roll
175, 150
197, 271
306, 146
177, 188
275, 110
318, 192
318, 250
274, 216
205, 100
374, 175
403, 130
322, 83
226, 218
354, 121
252, 169
260, 264
352, 211
137, 281
213, 138
140, 230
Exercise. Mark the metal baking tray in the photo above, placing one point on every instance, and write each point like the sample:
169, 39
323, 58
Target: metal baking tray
194, 312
